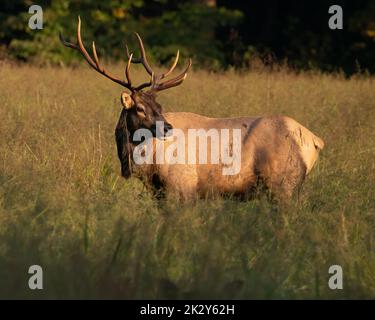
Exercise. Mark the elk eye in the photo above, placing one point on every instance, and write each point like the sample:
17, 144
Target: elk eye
141, 110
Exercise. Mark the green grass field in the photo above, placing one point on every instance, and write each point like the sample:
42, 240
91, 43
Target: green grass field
64, 206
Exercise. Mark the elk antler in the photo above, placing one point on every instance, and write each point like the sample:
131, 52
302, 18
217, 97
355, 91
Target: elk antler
95, 64
156, 83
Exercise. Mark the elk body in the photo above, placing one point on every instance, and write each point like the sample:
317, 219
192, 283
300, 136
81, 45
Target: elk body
277, 153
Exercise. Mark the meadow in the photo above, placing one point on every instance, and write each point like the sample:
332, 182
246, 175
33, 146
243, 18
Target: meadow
64, 206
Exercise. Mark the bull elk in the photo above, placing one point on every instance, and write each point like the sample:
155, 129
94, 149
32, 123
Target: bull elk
276, 152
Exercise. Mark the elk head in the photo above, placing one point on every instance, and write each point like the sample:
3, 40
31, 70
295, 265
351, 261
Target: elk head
140, 109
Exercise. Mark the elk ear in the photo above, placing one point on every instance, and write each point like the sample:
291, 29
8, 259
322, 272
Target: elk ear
126, 100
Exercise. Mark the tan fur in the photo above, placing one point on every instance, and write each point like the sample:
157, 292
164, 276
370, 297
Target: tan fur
309, 143
277, 151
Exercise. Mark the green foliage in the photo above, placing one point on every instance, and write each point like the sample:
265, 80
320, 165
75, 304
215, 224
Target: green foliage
193, 28
189, 27
217, 34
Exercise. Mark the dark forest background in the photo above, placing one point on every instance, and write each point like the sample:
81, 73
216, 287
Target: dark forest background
216, 33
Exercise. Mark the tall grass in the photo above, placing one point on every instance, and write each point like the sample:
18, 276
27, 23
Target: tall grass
64, 206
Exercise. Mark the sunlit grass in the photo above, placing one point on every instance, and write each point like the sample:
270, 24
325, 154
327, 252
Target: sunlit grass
64, 206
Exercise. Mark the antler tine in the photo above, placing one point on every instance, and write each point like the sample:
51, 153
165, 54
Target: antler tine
66, 43
135, 61
166, 74
172, 82
155, 79
95, 64
82, 47
143, 58
95, 55
168, 85
127, 70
